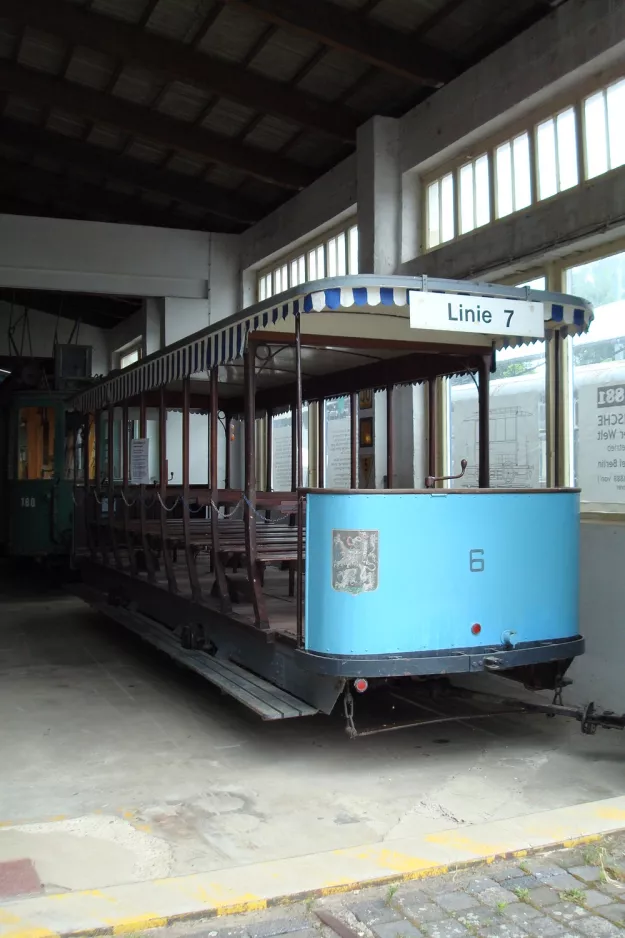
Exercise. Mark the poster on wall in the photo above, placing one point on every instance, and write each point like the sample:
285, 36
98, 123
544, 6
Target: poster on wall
140, 462
338, 444
601, 441
282, 444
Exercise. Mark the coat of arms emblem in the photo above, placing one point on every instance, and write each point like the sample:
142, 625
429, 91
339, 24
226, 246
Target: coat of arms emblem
355, 561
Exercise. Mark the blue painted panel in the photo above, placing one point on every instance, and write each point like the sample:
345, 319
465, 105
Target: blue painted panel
427, 597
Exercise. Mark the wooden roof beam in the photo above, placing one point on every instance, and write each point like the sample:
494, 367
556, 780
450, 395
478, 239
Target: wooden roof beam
219, 202
179, 62
48, 91
45, 186
372, 41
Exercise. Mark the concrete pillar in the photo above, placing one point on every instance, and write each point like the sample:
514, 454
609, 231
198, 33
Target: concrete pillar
379, 196
183, 317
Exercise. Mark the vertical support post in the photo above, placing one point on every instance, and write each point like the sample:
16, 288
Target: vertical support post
299, 481
132, 560
111, 487
253, 571
228, 467
432, 424
390, 436
163, 474
268, 456
220, 575
148, 557
196, 592
100, 540
88, 501
353, 427
484, 421
321, 421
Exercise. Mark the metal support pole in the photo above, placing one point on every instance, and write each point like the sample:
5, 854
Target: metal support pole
253, 571
194, 582
353, 426
111, 487
132, 560
484, 421
390, 435
147, 550
432, 424
163, 473
220, 575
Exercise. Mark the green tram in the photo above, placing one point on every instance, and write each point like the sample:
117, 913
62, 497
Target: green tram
37, 455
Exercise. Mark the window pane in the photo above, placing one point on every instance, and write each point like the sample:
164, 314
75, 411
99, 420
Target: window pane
262, 289
332, 268
36, 443
338, 447
616, 124
467, 206
522, 174
595, 135
353, 249
294, 278
321, 262
312, 265
599, 383
277, 281
341, 248
433, 213
129, 358
503, 171
447, 207
546, 146
567, 149
285, 277
301, 269
482, 191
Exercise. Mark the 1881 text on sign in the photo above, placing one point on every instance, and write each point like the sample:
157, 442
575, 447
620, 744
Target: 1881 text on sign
463, 313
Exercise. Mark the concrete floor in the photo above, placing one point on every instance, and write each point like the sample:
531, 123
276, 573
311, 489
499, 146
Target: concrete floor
117, 767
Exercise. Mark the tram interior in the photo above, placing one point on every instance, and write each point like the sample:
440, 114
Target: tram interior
237, 544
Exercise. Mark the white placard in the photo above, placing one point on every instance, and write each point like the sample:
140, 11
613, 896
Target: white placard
139, 462
462, 313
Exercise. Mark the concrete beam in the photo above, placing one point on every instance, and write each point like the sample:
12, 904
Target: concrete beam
586, 216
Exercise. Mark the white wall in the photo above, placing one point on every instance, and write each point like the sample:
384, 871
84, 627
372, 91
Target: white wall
42, 330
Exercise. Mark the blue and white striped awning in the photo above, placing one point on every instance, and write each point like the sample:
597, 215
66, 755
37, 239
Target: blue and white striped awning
226, 341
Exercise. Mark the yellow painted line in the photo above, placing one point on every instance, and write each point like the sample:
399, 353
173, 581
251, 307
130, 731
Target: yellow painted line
139, 907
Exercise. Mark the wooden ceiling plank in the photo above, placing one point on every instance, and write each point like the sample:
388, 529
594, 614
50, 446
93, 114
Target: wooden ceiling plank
178, 61
49, 91
372, 41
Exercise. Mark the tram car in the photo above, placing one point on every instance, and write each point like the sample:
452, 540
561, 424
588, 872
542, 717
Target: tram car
37, 463
290, 600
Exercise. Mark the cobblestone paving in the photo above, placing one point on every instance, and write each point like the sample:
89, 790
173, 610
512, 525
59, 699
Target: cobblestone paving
577, 893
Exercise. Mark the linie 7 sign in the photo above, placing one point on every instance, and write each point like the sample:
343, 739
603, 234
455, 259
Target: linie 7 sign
463, 313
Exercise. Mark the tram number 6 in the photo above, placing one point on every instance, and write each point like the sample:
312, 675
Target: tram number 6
28, 501
476, 561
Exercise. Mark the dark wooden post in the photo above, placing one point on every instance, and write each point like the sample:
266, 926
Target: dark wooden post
163, 473
100, 539
556, 385
484, 421
220, 575
88, 500
390, 436
353, 425
299, 406
432, 420
321, 455
132, 560
194, 582
111, 487
148, 557
228, 470
253, 572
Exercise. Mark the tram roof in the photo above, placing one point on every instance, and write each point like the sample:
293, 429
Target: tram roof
339, 314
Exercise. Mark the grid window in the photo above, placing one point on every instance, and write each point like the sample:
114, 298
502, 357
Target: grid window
440, 211
513, 175
604, 132
556, 154
474, 195
334, 258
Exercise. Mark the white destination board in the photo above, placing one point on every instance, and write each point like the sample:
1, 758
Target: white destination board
462, 313
140, 462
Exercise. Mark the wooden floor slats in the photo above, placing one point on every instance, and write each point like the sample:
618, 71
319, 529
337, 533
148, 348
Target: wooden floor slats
268, 701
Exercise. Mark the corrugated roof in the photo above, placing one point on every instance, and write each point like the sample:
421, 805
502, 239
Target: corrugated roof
232, 73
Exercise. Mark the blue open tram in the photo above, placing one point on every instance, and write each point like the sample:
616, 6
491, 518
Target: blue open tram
289, 599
